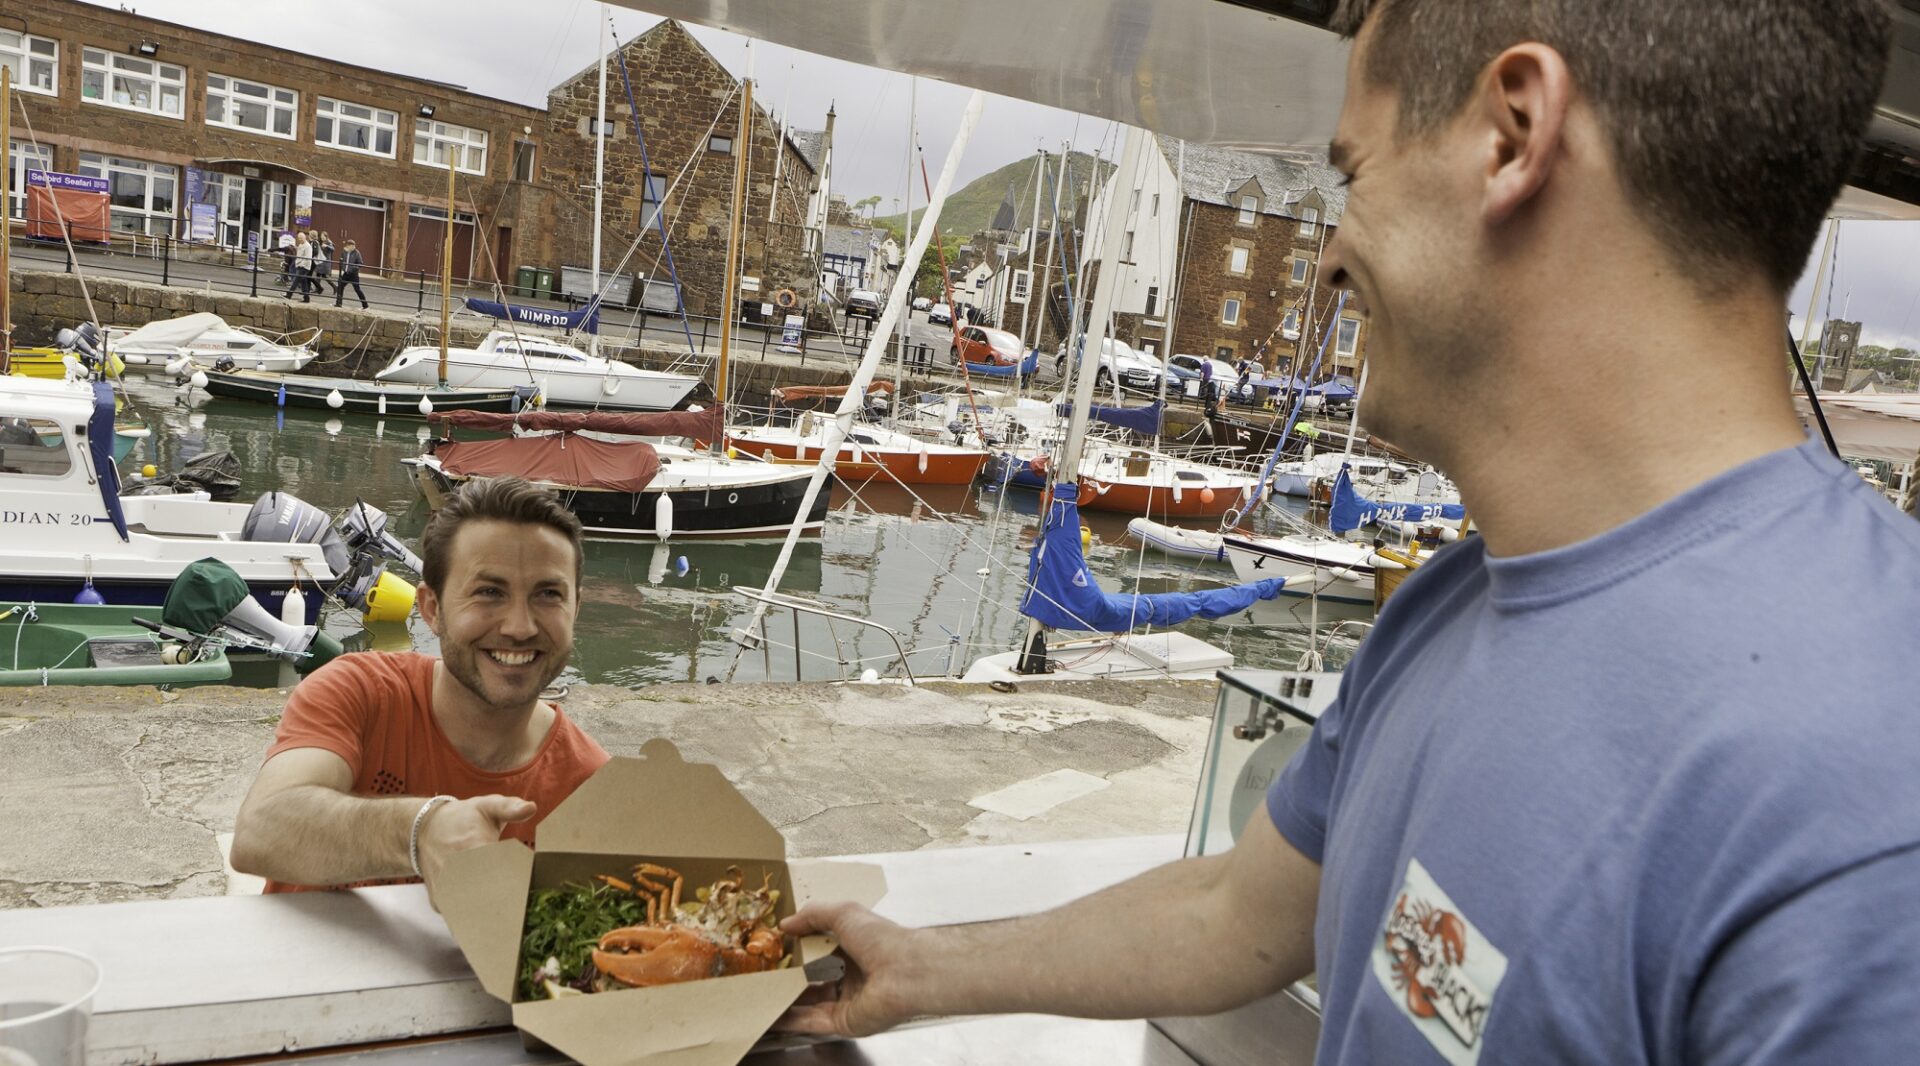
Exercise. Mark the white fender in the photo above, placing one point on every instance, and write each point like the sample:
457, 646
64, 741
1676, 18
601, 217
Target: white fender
426, 406
383, 403
1176, 490
609, 385
663, 516
178, 366
335, 400
920, 450
293, 609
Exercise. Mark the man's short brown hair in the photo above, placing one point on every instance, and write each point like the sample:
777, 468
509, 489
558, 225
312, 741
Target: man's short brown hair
1734, 122
500, 499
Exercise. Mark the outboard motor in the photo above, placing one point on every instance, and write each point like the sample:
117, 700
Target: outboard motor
210, 598
282, 518
364, 528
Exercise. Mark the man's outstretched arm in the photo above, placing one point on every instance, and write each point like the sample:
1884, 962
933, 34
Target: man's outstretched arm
300, 825
1193, 937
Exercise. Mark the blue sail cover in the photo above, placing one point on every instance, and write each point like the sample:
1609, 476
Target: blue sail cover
586, 320
1061, 593
100, 443
1142, 420
1024, 367
1351, 510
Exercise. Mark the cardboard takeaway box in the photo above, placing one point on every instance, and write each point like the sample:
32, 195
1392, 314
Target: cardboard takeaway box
655, 808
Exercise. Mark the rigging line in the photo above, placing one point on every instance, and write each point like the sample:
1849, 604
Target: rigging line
559, 46
66, 232
481, 225
953, 319
646, 164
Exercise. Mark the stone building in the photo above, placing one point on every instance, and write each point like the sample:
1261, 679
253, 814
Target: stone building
224, 142
1223, 249
690, 119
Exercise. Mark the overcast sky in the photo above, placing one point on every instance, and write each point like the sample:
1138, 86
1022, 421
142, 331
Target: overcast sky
518, 51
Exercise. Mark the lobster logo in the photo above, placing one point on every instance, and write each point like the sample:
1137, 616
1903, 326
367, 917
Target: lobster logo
1440, 970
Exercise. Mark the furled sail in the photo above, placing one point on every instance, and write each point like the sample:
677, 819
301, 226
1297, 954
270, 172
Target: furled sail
1351, 510
1061, 593
586, 319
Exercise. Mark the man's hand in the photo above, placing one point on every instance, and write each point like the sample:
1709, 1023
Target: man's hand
882, 961
462, 824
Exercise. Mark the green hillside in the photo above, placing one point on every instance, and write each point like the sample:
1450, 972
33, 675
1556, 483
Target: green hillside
971, 209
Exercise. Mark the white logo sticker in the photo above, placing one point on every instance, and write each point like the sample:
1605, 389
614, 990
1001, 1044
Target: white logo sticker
1437, 968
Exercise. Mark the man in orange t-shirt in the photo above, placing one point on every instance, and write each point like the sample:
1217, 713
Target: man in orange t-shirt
386, 764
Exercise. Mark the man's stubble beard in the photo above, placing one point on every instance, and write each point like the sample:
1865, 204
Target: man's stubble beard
462, 662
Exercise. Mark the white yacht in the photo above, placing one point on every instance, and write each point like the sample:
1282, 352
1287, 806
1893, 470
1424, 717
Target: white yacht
204, 340
563, 373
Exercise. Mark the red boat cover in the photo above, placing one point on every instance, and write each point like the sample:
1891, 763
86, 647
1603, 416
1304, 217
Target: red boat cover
704, 425
559, 458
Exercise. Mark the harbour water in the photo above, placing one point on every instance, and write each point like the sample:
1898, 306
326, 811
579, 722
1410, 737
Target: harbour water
654, 612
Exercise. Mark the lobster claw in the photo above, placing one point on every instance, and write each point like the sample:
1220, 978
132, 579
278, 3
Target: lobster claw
645, 956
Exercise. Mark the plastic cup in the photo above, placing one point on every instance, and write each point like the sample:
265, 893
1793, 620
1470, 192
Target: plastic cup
46, 1000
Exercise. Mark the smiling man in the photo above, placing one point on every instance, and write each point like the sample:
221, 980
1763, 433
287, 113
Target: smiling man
386, 763
1596, 788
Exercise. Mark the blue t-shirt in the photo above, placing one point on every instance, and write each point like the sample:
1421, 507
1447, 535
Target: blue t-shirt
1649, 798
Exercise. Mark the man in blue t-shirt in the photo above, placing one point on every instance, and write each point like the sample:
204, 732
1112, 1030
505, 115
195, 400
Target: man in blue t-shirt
1631, 776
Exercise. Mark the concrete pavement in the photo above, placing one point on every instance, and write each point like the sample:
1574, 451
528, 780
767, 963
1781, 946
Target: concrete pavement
121, 793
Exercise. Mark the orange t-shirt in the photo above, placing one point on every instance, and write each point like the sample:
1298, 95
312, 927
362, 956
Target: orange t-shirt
375, 710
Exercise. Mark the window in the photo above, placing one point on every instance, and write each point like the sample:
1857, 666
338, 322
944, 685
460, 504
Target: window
652, 193
1290, 322
1223, 351
1230, 312
252, 106
132, 83
24, 157
139, 194
1300, 265
33, 446
1022, 284
723, 145
1309, 221
434, 143
1349, 338
523, 161
355, 127
1154, 211
1153, 299
1126, 246
35, 61
1237, 261
1249, 209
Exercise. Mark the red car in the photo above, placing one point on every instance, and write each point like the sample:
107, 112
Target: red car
981, 344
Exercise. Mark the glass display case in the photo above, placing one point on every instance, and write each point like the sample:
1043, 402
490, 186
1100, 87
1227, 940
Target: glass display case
1260, 719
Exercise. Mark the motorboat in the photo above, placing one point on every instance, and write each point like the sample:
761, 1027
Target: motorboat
870, 452
561, 373
65, 529
1334, 571
1152, 484
207, 341
620, 485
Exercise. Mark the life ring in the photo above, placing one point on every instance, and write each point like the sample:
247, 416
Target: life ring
786, 299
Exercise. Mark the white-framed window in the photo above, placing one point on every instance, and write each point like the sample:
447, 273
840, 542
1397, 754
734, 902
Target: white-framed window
355, 127
523, 160
132, 84
1153, 300
1309, 221
1230, 312
35, 61
653, 191
1126, 246
1022, 284
1291, 320
140, 195
434, 143
1249, 210
1348, 339
38, 450
1300, 266
720, 144
256, 107
1154, 211
1237, 261
24, 157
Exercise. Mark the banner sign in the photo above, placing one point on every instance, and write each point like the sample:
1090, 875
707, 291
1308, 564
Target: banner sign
51, 179
586, 319
303, 205
793, 334
205, 225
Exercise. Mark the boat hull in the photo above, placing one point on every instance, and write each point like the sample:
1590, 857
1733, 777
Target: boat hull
631, 391
364, 397
1157, 501
1254, 561
762, 509
942, 468
71, 644
1183, 543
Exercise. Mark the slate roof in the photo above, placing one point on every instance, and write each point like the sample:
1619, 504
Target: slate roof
854, 242
1212, 175
812, 145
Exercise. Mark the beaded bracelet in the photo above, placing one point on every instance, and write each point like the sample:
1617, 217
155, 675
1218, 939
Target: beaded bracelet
413, 837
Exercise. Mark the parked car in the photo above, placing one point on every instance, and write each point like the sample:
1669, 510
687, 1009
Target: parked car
940, 315
981, 344
863, 303
922, 303
1136, 370
1182, 368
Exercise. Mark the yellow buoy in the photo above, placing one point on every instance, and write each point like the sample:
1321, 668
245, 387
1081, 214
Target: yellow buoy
390, 599
149, 470
1086, 537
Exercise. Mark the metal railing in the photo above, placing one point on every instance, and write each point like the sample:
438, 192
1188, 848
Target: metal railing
797, 607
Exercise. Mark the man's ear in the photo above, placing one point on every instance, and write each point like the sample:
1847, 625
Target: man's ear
429, 605
1523, 99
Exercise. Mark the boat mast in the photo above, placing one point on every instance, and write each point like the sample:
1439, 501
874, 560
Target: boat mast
6, 220
1033, 657
446, 270
1813, 301
1053, 238
1033, 244
906, 321
731, 283
599, 176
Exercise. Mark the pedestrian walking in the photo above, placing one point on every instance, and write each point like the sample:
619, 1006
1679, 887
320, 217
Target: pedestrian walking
284, 249
349, 275
322, 263
302, 270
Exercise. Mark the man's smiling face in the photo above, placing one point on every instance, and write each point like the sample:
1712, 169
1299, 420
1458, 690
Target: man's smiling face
505, 617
